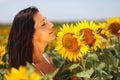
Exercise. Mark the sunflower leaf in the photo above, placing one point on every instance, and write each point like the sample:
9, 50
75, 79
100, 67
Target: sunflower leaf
74, 66
85, 74
93, 57
30, 68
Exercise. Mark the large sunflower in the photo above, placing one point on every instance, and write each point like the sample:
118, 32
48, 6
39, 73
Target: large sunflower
68, 46
113, 25
90, 37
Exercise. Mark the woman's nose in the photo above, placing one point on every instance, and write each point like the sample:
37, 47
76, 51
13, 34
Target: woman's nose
50, 24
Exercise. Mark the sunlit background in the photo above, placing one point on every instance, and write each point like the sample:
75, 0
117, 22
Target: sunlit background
62, 10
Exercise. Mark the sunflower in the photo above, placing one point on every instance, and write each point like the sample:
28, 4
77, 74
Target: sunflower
90, 37
68, 46
113, 25
2, 53
17, 74
21, 74
104, 32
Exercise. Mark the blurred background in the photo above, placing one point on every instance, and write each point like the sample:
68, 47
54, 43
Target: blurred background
62, 10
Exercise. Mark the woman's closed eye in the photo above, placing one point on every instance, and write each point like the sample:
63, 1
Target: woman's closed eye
43, 24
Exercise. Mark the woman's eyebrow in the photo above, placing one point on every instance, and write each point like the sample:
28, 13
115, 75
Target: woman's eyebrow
43, 19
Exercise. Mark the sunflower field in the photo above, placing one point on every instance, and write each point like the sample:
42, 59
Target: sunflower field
82, 50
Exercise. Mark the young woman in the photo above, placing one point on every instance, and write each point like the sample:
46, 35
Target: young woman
29, 35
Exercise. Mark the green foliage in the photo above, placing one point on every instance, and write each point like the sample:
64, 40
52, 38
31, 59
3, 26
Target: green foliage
4, 68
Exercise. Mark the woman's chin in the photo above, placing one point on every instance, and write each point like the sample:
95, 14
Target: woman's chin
52, 38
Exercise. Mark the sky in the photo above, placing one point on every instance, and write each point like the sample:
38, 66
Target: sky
62, 10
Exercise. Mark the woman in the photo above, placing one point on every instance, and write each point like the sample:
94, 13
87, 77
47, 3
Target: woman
28, 38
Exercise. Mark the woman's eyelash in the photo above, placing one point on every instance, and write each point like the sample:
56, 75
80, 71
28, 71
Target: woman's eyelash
43, 24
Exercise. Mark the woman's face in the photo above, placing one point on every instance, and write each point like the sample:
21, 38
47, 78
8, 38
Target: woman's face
43, 28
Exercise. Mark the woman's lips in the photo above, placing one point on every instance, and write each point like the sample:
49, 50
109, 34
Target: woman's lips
51, 32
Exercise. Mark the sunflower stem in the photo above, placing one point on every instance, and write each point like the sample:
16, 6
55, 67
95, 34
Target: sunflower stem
85, 63
93, 77
82, 65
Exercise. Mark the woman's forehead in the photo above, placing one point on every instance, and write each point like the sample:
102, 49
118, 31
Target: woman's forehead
38, 17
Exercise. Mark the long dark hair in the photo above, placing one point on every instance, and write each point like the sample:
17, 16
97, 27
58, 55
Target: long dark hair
20, 45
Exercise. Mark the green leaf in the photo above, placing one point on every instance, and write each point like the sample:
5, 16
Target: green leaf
85, 74
103, 40
104, 74
93, 57
101, 65
30, 68
74, 66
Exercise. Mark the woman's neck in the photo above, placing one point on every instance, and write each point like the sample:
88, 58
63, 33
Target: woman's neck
38, 50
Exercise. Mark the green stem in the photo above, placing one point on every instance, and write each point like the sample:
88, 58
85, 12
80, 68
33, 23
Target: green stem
85, 64
94, 77
83, 67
